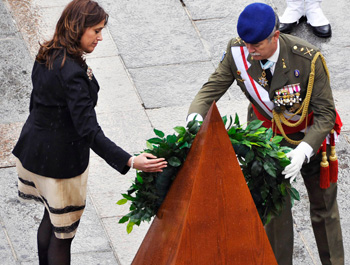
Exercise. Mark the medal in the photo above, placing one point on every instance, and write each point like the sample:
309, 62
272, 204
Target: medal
262, 79
288, 97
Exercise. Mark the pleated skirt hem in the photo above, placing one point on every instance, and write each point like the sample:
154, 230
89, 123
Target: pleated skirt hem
64, 199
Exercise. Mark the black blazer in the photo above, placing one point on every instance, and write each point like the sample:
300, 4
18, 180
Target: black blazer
62, 127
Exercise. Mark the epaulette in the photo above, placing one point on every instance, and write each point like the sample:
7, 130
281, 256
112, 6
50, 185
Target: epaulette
237, 42
304, 51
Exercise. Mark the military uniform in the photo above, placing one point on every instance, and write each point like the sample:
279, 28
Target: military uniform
293, 67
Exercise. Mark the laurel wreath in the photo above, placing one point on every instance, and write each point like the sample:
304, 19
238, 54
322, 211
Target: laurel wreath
259, 153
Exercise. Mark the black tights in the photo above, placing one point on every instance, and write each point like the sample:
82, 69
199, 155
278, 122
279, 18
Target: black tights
51, 250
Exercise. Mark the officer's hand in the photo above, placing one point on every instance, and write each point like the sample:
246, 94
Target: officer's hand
297, 158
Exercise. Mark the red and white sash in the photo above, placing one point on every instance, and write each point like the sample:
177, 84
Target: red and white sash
255, 90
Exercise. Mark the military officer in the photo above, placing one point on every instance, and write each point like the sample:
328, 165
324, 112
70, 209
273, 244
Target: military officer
286, 81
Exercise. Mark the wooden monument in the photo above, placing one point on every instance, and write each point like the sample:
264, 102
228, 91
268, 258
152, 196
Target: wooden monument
208, 216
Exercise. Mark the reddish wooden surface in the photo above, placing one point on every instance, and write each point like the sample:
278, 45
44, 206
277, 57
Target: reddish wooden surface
208, 216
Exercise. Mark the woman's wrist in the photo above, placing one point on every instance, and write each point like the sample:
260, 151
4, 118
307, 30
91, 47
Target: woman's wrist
131, 162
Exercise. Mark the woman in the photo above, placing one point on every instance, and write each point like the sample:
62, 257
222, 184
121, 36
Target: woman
53, 149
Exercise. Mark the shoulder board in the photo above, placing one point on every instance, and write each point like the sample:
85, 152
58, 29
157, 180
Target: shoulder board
304, 51
237, 42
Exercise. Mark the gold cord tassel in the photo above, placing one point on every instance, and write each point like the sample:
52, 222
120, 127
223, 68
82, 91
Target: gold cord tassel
324, 169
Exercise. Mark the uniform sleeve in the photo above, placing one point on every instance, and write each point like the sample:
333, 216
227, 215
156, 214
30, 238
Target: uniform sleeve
216, 87
82, 110
322, 105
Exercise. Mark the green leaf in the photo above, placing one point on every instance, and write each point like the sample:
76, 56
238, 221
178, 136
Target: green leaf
234, 141
130, 198
122, 201
285, 149
194, 128
224, 119
253, 125
277, 139
283, 189
232, 131
237, 120
273, 153
171, 139
155, 140
136, 216
270, 169
124, 219
294, 194
238, 136
139, 178
174, 161
184, 145
149, 145
249, 156
190, 124
231, 121
284, 162
268, 134
256, 133
180, 130
129, 227
159, 133
281, 155
259, 144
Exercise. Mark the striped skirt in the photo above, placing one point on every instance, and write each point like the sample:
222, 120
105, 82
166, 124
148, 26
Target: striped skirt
64, 199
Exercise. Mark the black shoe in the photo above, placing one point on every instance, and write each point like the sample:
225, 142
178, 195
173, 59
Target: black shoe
322, 31
287, 27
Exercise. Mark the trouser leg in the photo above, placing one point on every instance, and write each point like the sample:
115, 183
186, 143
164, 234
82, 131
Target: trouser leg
293, 12
314, 13
280, 234
324, 215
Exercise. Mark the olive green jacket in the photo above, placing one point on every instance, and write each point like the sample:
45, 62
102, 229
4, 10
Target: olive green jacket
293, 66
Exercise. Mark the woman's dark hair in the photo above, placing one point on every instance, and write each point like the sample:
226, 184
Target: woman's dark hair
76, 17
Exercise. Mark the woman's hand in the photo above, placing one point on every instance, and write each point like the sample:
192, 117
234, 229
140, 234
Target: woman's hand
148, 163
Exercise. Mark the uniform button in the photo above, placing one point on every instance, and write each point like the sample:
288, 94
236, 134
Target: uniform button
295, 47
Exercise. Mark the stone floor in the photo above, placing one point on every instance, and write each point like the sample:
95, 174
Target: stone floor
153, 60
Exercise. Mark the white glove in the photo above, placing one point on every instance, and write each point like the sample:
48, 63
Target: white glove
192, 115
297, 158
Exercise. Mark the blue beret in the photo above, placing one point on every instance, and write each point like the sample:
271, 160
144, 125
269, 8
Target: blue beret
256, 22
